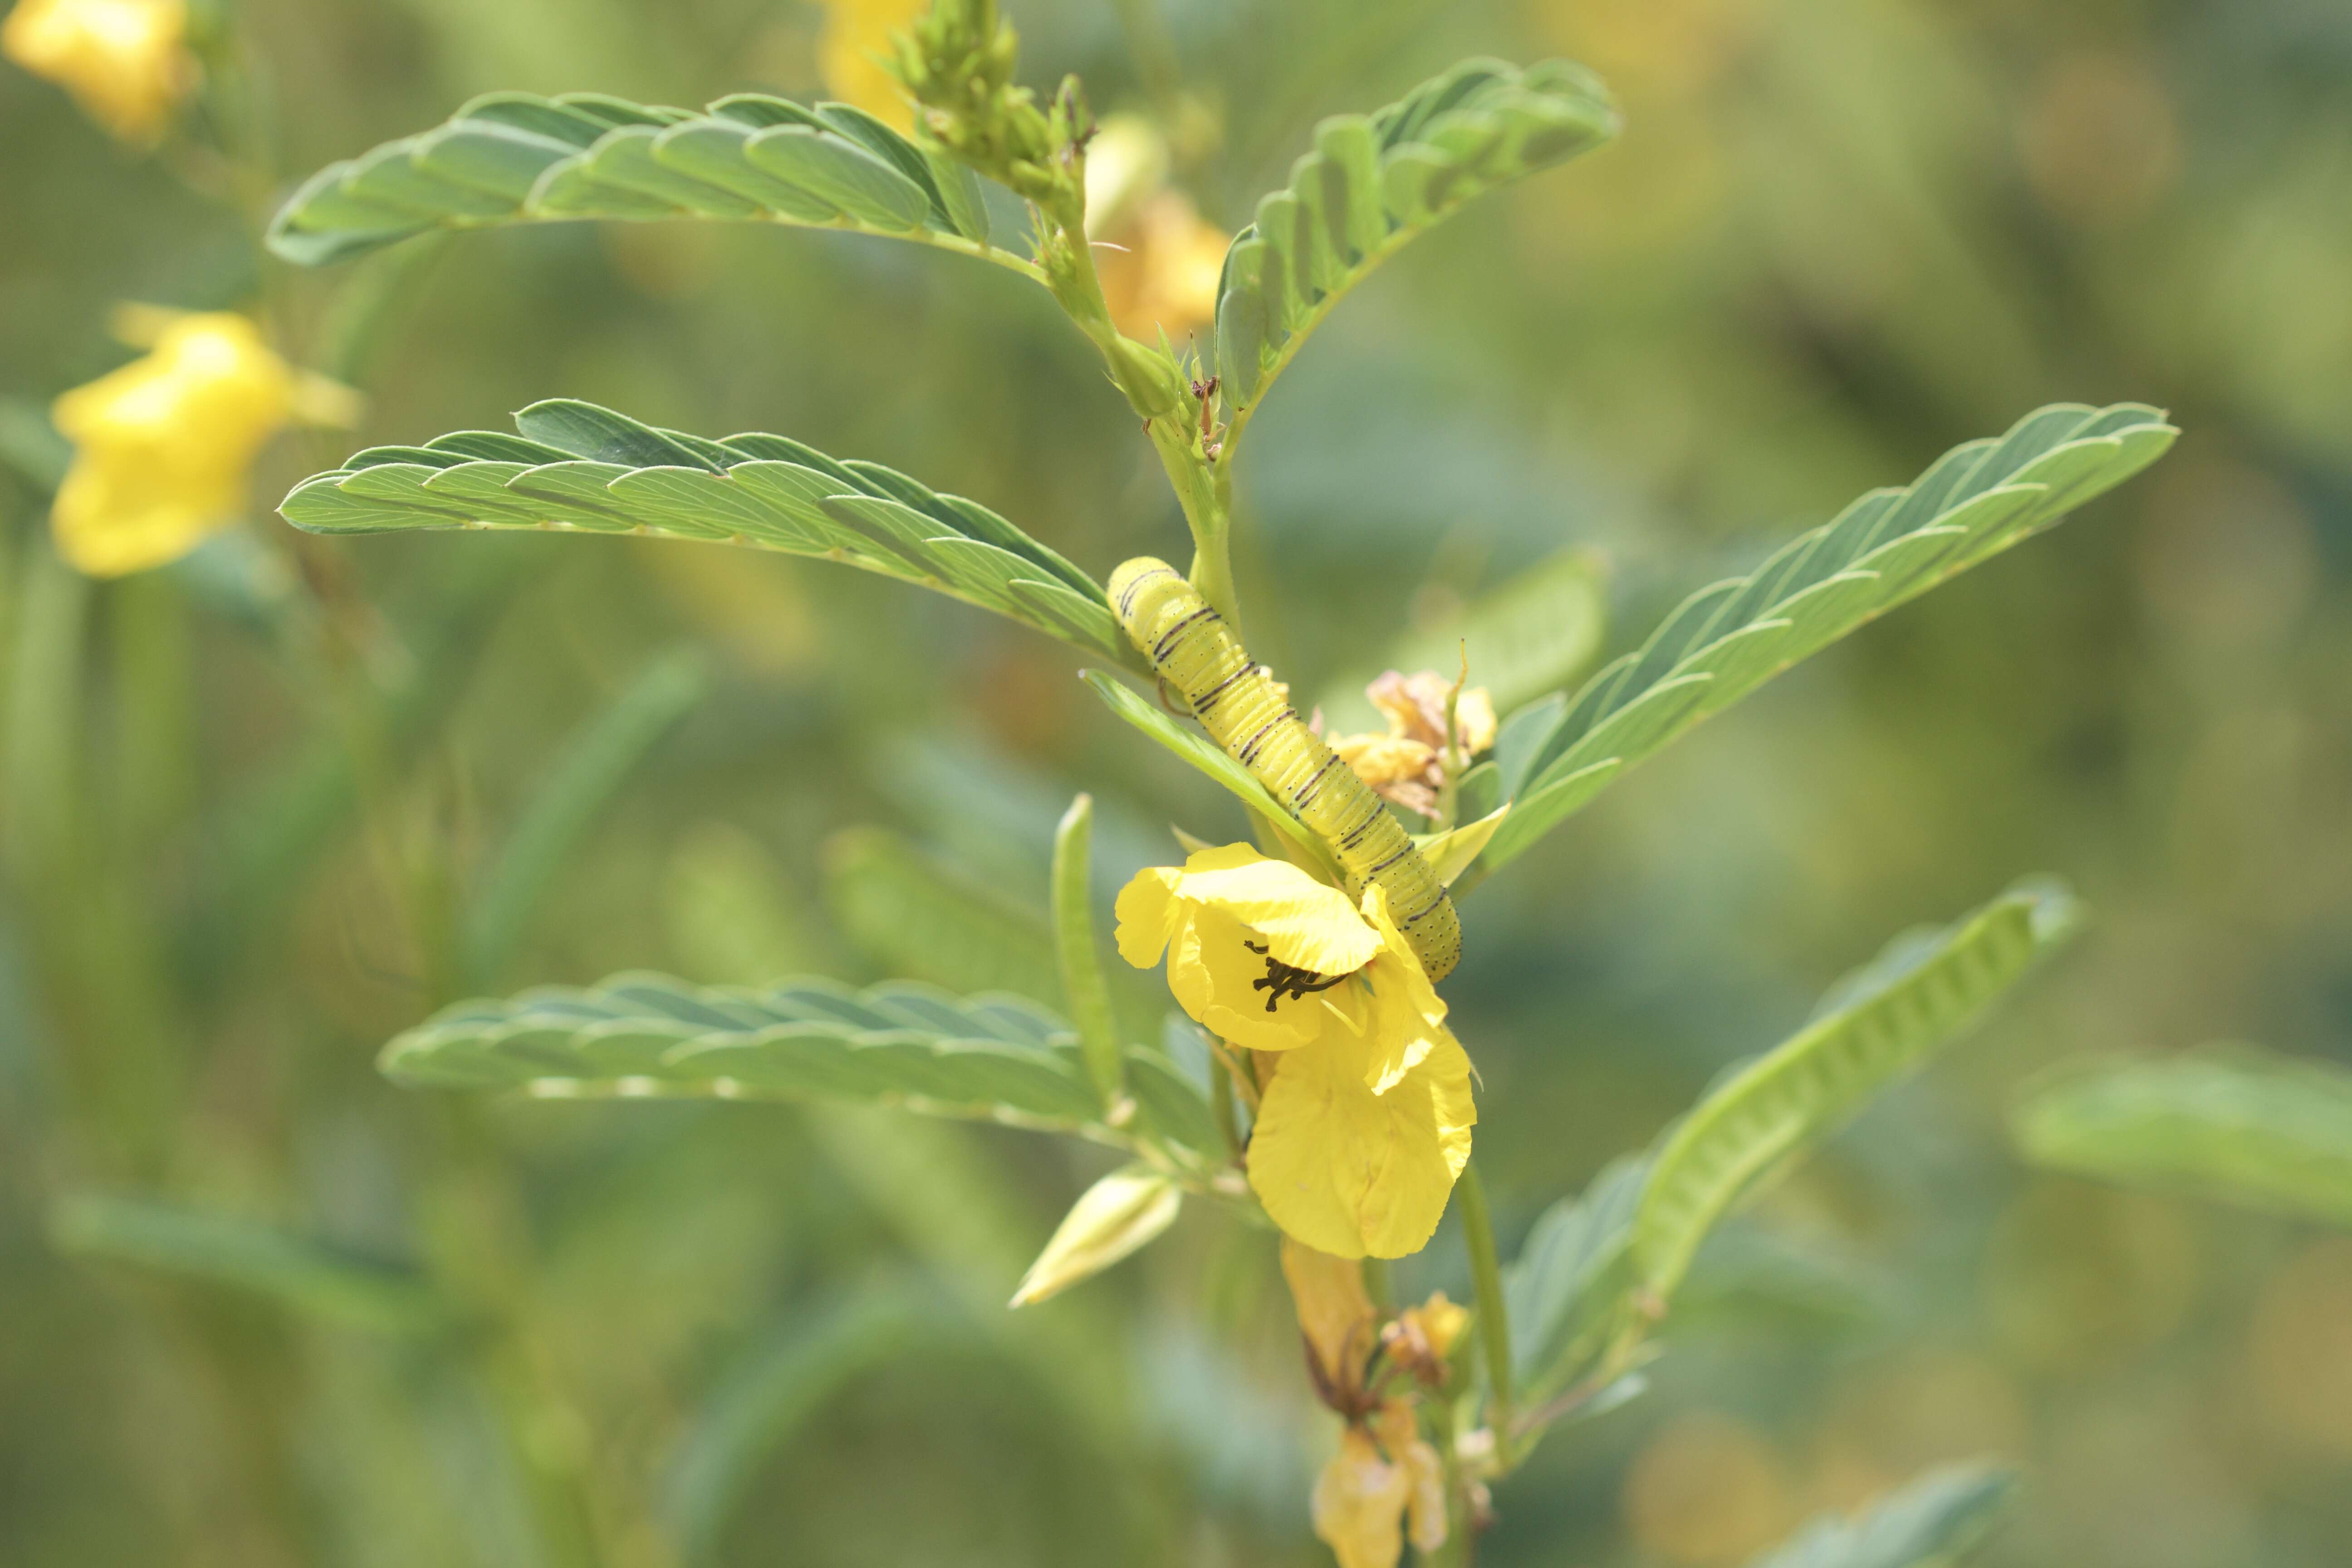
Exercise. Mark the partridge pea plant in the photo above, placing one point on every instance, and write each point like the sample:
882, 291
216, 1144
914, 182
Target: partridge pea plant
1336, 1106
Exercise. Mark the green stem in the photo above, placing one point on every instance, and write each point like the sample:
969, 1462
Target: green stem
1494, 1318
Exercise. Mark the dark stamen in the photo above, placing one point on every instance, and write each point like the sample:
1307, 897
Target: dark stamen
1285, 978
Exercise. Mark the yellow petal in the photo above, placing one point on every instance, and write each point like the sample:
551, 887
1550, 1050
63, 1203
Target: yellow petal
1413, 704
1215, 977
1474, 721
1440, 1322
1335, 1313
1303, 922
1406, 1016
1352, 1173
1146, 912
1360, 1503
1400, 1435
1383, 759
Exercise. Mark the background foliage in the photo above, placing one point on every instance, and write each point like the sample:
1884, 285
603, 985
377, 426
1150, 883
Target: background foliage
1837, 238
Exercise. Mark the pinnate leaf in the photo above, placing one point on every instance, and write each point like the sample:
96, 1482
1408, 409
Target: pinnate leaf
1885, 549
996, 1057
578, 468
2231, 1122
1372, 183
513, 157
1876, 1025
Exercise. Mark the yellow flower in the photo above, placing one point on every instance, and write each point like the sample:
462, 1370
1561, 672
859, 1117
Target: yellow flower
1366, 1120
1363, 1496
163, 445
1166, 278
126, 62
857, 42
1360, 1503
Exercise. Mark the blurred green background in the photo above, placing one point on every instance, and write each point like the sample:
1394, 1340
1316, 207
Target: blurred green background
1837, 238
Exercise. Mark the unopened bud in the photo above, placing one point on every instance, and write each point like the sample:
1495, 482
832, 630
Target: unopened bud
1122, 1213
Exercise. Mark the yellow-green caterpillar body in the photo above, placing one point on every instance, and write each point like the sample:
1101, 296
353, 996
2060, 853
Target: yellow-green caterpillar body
1198, 655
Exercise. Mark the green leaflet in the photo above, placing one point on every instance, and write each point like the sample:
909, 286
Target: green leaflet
2230, 1122
1934, 1522
1562, 1289
307, 1276
580, 467
914, 915
1872, 1027
1886, 548
999, 1057
1374, 181
512, 157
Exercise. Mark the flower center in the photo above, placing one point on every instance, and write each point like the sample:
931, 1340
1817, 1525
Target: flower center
1283, 979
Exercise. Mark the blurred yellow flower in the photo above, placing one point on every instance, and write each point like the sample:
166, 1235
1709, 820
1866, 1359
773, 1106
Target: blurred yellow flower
857, 42
1366, 1121
1407, 764
1157, 258
1360, 1503
163, 445
1383, 1473
1423, 1336
126, 62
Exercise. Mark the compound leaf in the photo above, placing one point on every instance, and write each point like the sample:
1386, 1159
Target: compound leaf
997, 1058
1568, 1273
1885, 549
512, 157
1872, 1028
579, 468
2231, 1122
1373, 183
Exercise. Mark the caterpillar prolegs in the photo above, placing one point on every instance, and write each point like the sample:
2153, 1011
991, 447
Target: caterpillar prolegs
1198, 655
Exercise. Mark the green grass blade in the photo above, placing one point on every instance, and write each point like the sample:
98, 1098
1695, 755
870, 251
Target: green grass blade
590, 772
304, 1275
772, 1395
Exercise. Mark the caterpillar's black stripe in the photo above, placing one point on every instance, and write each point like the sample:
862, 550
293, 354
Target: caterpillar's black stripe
1198, 655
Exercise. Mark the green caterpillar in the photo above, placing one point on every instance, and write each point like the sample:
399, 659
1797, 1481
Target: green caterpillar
1197, 654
